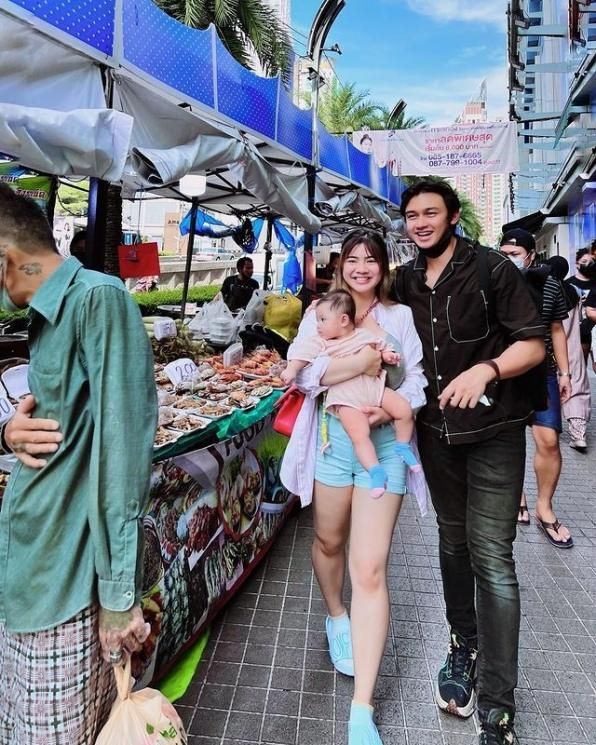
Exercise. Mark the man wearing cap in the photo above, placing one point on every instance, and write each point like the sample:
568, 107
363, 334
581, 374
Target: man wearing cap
520, 247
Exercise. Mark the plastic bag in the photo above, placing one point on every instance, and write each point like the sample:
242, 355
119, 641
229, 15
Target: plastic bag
282, 314
141, 718
216, 322
255, 310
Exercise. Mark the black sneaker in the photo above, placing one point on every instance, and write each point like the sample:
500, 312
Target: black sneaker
455, 684
497, 729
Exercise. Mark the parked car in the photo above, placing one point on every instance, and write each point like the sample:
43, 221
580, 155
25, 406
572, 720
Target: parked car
216, 254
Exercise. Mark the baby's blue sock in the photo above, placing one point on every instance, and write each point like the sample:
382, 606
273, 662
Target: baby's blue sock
378, 481
405, 452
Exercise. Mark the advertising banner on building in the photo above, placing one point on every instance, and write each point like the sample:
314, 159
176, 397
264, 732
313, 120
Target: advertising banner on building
444, 151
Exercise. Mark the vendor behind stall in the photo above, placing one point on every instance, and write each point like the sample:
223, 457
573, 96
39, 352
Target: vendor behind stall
326, 274
238, 289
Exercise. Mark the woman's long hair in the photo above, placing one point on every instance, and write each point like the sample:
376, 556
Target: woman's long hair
375, 248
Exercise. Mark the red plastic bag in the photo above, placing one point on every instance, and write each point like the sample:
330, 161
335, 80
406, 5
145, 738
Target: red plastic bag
141, 718
288, 408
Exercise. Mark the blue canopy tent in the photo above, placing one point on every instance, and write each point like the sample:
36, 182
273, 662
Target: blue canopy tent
161, 116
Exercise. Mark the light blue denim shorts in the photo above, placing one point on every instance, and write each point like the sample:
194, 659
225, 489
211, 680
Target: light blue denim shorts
339, 466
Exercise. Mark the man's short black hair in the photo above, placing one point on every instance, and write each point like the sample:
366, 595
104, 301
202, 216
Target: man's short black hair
242, 261
582, 252
441, 188
23, 223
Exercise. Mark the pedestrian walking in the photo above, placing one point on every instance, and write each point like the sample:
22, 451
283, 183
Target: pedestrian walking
480, 331
519, 245
70, 537
584, 281
342, 507
578, 407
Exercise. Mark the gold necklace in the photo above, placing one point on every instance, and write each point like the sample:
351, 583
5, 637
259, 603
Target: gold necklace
370, 308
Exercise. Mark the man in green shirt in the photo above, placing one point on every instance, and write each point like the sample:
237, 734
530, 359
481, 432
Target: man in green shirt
70, 531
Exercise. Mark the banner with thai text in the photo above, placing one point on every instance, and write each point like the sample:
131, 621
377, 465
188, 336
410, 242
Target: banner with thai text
444, 151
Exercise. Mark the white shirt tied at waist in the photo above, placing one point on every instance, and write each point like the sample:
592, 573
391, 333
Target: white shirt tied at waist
298, 466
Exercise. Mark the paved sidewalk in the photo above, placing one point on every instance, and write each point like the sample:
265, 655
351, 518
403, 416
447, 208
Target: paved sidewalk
266, 677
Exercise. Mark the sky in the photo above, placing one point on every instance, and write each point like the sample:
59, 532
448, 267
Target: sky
432, 53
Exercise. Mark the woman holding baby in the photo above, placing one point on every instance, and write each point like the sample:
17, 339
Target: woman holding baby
354, 499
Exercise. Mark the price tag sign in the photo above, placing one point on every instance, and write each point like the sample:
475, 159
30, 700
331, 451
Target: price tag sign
6, 410
180, 370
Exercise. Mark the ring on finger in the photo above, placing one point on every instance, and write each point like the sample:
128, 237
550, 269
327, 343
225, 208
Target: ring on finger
115, 656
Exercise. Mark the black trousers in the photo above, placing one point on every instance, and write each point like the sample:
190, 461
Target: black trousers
476, 490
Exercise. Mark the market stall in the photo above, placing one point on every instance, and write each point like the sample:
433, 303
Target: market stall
216, 502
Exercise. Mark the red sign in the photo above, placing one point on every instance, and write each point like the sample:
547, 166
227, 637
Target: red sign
138, 260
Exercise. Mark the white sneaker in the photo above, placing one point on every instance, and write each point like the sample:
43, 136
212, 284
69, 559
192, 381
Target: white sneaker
579, 444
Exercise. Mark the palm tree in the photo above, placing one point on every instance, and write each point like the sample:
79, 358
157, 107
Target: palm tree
401, 121
244, 26
343, 108
468, 218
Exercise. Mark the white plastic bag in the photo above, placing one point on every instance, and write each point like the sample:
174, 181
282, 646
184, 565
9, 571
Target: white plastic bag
255, 310
222, 325
141, 718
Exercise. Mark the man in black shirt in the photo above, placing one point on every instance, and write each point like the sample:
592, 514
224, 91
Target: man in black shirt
238, 289
584, 282
520, 247
472, 443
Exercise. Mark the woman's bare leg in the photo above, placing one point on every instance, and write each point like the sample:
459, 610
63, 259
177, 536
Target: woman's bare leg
331, 514
372, 528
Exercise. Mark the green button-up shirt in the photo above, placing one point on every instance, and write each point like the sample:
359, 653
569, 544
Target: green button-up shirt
70, 533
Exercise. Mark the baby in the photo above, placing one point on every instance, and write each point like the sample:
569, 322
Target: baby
339, 337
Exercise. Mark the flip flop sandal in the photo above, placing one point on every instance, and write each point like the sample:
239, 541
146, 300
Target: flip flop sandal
545, 527
523, 510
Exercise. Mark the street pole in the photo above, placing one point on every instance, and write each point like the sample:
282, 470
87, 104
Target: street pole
189, 249
268, 251
326, 15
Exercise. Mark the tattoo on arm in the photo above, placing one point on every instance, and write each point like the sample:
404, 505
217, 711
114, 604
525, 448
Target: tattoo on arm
32, 268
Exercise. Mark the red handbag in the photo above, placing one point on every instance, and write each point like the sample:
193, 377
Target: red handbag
288, 408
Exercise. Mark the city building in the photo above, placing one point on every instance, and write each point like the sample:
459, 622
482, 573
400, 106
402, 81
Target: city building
302, 83
486, 191
552, 87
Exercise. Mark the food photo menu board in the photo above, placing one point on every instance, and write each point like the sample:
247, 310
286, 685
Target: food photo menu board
213, 514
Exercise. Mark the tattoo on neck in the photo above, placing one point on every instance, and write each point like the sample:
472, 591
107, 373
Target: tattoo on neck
33, 267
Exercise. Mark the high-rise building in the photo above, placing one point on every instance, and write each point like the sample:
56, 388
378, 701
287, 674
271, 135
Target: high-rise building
485, 190
552, 88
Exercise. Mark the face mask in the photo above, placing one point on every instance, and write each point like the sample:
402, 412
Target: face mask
518, 262
440, 246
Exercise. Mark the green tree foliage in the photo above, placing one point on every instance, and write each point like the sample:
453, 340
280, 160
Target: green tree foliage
345, 108
401, 121
72, 200
244, 26
468, 219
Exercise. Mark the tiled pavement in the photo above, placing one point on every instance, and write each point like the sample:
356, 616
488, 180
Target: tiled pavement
266, 677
